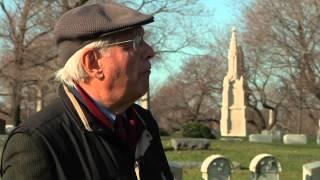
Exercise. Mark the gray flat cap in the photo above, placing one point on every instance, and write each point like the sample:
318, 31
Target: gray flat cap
86, 23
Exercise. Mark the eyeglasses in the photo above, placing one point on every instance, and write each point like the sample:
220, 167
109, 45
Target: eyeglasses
136, 42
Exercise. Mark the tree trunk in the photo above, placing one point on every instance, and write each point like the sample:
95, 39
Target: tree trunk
16, 104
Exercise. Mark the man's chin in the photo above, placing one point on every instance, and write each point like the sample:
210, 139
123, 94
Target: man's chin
143, 91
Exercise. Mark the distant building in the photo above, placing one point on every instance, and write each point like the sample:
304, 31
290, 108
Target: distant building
5, 119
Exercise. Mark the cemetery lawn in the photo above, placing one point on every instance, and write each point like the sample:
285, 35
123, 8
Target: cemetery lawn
291, 157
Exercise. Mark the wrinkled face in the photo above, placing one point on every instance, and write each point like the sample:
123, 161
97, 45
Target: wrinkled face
127, 66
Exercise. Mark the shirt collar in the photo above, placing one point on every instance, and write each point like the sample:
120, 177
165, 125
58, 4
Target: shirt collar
106, 111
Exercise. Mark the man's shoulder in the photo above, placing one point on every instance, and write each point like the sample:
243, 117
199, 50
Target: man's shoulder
46, 117
141, 111
147, 116
140, 108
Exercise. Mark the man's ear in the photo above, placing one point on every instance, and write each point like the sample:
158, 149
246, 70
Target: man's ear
90, 63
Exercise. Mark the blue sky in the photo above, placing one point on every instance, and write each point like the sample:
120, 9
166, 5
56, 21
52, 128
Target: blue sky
226, 13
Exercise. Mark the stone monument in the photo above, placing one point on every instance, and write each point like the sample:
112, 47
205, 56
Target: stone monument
145, 101
233, 110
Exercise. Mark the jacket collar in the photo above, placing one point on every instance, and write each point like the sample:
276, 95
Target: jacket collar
84, 114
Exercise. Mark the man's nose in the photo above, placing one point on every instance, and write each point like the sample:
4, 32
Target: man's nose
148, 51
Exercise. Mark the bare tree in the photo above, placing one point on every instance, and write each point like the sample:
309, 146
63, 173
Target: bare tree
264, 91
282, 38
27, 48
289, 32
192, 95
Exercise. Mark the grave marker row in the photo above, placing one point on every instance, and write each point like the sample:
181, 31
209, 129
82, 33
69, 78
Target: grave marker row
287, 139
262, 167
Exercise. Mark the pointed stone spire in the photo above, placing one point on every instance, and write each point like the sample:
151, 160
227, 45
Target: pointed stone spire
240, 62
232, 55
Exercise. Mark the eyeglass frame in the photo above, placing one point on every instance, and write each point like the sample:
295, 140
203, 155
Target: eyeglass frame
136, 42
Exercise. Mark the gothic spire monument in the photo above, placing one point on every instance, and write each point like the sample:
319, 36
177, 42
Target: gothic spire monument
233, 110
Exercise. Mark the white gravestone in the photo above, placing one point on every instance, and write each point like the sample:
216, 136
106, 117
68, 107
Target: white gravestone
295, 139
277, 135
311, 171
318, 134
265, 167
216, 167
260, 138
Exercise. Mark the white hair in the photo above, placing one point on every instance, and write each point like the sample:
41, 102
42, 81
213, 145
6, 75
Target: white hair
73, 70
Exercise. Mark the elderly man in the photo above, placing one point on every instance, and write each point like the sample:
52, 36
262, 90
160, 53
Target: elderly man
93, 131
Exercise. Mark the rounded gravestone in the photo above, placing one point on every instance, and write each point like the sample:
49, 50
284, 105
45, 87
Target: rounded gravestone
216, 167
265, 167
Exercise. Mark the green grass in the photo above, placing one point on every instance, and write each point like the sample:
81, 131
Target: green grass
291, 157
